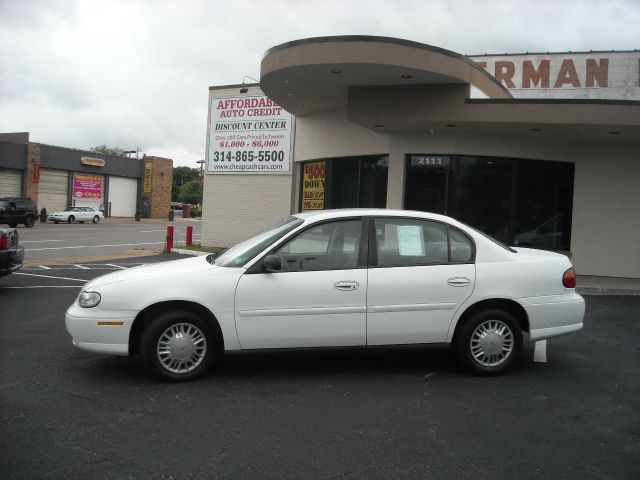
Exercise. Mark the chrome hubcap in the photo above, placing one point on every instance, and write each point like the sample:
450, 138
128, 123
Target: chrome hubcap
491, 343
181, 348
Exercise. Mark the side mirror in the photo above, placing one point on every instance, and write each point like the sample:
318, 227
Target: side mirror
271, 263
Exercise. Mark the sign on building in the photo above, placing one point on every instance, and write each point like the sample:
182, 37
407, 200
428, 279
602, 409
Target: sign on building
313, 186
587, 75
248, 134
87, 186
148, 176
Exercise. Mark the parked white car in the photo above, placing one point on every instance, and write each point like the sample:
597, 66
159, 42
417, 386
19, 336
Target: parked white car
356, 278
77, 214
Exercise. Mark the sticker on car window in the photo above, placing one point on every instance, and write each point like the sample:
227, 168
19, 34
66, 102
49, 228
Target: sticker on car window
410, 240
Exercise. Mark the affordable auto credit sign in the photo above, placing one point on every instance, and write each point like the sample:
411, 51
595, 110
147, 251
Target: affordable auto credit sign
249, 134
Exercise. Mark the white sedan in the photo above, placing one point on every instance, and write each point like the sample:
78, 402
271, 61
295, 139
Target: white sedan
77, 214
337, 278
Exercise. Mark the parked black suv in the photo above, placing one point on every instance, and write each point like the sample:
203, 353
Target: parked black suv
15, 210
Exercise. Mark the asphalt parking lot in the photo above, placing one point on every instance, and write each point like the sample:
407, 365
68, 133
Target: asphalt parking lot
349, 414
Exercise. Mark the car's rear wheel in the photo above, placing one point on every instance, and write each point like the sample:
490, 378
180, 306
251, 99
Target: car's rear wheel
28, 222
178, 346
70, 219
96, 219
489, 343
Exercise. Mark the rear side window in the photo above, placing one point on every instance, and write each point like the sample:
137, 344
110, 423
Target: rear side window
406, 242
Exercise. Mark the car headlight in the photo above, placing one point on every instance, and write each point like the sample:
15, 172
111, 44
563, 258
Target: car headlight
89, 299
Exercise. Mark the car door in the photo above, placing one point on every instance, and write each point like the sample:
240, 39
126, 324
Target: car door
317, 299
87, 214
420, 272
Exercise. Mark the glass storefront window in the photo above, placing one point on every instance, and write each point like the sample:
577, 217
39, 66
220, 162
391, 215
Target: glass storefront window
519, 202
483, 194
545, 193
352, 182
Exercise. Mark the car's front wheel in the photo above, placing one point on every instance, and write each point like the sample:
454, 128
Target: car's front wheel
70, 219
178, 346
489, 343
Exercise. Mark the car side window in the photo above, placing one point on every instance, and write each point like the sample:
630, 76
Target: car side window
402, 242
461, 246
329, 246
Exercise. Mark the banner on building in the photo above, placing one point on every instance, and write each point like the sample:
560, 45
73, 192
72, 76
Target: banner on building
87, 186
147, 177
313, 186
249, 134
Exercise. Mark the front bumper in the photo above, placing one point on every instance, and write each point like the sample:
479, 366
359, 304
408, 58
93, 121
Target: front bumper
11, 260
98, 331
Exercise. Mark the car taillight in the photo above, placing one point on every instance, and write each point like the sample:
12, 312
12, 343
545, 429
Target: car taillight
4, 241
569, 278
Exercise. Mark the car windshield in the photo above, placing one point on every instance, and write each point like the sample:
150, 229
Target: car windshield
241, 253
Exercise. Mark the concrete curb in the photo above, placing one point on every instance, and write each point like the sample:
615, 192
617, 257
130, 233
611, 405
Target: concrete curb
606, 291
193, 253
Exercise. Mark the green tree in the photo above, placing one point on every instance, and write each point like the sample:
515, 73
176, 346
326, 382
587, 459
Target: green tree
181, 175
191, 192
115, 151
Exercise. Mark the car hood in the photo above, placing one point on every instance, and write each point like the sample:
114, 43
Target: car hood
174, 270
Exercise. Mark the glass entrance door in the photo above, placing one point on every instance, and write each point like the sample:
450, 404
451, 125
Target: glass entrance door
426, 188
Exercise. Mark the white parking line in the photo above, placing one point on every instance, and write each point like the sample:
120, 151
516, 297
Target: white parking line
50, 276
39, 241
115, 266
44, 267
96, 246
44, 286
540, 352
81, 267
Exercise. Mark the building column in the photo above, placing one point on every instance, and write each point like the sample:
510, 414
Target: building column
395, 179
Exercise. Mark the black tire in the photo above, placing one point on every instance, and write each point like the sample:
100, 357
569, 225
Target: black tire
29, 221
96, 219
70, 219
13, 225
183, 359
489, 342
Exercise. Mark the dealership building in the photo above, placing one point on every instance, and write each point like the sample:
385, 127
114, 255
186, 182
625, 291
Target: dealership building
539, 150
57, 177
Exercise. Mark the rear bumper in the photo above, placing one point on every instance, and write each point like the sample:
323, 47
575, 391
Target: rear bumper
11, 260
553, 316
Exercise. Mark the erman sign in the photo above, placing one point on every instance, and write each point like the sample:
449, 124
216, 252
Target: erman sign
604, 75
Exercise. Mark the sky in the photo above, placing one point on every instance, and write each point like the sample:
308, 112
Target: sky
136, 73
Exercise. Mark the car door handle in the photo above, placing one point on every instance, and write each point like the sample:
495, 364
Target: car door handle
346, 285
458, 281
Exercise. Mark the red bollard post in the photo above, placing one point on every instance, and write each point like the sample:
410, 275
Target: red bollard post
168, 244
189, 235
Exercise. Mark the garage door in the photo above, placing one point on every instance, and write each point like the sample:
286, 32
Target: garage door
10, 183
122, 196
54, 190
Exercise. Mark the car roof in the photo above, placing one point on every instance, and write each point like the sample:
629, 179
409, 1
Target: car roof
319, 215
